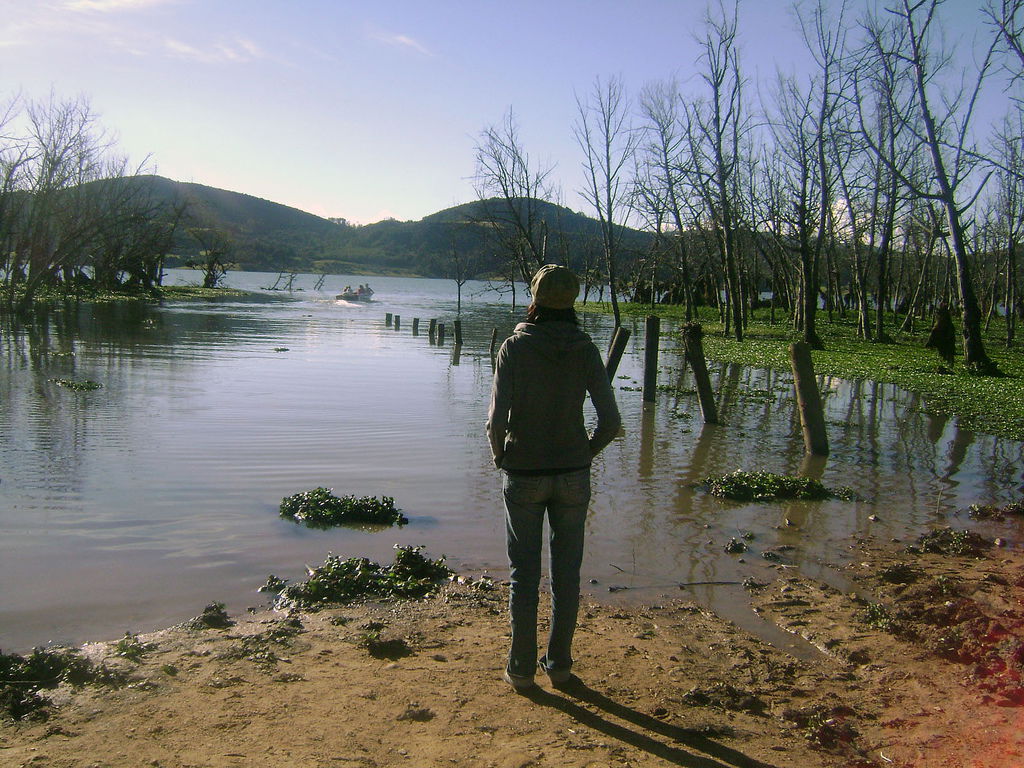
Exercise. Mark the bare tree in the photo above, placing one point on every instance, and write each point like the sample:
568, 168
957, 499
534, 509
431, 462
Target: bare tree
1008, 18
462, 267
795, 131
1009, 208
512, 190
214, 247
609, 142
664, 159
715, 127
14, 155
944, 136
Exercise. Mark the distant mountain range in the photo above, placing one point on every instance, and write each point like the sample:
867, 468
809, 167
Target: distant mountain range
268, 236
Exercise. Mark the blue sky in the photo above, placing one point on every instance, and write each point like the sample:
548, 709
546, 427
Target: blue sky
361, 109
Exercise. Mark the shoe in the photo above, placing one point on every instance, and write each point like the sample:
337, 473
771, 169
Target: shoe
556, 676
519, 682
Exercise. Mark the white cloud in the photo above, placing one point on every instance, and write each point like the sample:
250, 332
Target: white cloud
237, 51
105, 6
402, 41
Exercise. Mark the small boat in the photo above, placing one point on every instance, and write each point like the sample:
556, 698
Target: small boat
366, 295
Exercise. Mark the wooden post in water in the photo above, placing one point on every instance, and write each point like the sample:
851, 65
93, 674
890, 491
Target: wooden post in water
387, 319
651, 338
440, 334
415, 326
458, 332
432, 330
615, 350
694, 348
398, 322
808, 400
494, 343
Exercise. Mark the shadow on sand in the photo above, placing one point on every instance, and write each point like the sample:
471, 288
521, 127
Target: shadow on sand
571, 696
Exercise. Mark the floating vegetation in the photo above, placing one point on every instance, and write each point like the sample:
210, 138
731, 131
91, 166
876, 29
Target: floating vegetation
78, 385
22, 678
951, 542
412, 575
320, 508
280, 349
992, 512
767, 486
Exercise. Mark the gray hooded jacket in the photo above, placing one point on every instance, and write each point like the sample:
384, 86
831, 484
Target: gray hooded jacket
543, 374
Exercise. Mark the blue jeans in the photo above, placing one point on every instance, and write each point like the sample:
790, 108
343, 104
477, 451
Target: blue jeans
565, 498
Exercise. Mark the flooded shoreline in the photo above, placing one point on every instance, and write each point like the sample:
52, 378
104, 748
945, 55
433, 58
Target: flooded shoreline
132, 506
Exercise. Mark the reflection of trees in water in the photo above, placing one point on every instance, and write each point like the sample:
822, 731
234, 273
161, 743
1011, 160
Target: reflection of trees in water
901, 458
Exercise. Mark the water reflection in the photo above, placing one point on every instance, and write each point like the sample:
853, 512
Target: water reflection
132, 506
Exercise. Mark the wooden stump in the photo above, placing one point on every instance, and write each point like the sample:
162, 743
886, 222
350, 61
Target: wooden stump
651, 338
615, 350
693, 345
808, 400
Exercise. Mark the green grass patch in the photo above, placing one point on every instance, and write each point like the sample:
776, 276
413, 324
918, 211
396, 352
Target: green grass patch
768, 486
994, 405
320, 508
343, 580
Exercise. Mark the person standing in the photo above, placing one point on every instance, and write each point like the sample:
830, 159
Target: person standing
535, 426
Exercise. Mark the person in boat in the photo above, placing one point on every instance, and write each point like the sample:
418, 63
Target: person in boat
369, 291
538, 440
348, 289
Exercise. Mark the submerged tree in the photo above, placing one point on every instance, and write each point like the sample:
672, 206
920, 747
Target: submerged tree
214, 247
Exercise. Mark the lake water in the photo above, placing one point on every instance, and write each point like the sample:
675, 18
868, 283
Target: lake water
130, 507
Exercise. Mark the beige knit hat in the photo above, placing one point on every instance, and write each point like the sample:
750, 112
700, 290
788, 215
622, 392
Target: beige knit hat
554, 287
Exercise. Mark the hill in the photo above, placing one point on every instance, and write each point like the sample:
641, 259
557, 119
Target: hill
269, 236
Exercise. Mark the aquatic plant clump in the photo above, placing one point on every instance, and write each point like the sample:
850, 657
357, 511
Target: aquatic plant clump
320, 508
83, 385
22, 678
992, 512
341, 580
768, 486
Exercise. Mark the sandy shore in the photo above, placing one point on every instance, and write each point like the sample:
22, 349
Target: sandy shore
920, 666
